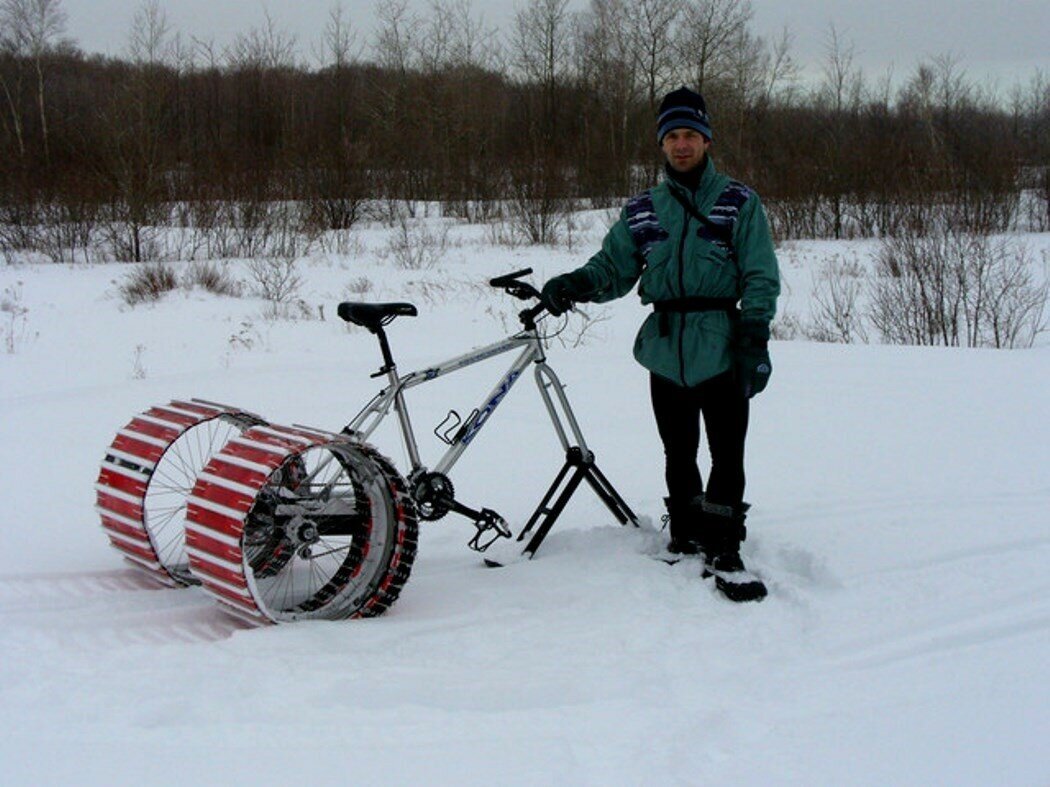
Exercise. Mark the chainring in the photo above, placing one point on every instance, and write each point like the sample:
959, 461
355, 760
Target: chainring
433, 494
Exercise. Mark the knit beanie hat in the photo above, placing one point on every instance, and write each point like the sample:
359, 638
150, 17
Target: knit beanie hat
682, 108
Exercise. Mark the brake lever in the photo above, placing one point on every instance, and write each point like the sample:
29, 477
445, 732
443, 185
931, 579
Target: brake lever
522, 291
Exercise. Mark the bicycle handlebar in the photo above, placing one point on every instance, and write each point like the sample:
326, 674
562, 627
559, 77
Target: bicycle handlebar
511, 284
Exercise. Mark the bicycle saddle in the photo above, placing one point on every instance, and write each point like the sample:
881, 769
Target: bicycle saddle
374, 315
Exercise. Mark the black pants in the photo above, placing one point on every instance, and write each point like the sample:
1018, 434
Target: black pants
725, 412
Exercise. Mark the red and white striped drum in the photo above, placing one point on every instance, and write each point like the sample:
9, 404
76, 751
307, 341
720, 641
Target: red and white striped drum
147, 474
292, 523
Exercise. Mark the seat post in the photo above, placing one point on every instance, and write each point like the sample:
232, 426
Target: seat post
384, 347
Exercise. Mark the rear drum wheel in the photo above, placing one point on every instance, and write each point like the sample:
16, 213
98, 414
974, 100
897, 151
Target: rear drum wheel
294, 524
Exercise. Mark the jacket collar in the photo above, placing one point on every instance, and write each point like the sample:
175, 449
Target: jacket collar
708, 173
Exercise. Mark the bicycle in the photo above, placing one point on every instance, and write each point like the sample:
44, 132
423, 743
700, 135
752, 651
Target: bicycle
287, 523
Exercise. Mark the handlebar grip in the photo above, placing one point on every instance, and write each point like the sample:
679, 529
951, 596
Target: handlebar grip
509, 278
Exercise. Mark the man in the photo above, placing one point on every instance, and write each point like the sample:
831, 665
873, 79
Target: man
698, 244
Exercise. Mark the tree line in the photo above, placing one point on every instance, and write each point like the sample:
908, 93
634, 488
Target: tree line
555, 113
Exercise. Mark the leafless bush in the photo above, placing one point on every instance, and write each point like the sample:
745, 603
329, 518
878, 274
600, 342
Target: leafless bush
251, 227
68, 227
500, 232
130, 241
245, 339
211, 277
15, 328
415, 245
838, 288
536, 212
336, 196
58, 230
147, 282
345, 242
19, 223
429, 291
275, 279
786, 327
138, 366
359, 286
473, 211
294, 309
956, 288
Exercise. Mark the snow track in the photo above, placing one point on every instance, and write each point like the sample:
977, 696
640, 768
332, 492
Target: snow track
97, 611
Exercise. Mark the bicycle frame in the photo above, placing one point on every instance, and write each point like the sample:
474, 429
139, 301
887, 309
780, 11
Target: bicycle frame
432, 490
393, 397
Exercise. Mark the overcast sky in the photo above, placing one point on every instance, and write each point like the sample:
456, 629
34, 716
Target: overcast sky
1003, 41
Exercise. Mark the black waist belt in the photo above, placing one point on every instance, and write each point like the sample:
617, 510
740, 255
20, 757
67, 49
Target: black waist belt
695, 304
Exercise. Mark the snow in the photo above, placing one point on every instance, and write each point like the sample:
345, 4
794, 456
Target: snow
900, 498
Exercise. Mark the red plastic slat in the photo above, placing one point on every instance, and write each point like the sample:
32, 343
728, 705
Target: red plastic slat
121, 482
206, 518
200, 541
288, 443
217, 571
176, 418
168, 433
208, 412
228, 498
259, 456
139, 552
118, 506
124, 529
230, 595
236, 473
147, 451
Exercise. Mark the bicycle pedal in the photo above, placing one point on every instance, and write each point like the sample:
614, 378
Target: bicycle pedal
491, 527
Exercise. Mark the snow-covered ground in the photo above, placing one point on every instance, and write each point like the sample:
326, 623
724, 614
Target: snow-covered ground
900, 518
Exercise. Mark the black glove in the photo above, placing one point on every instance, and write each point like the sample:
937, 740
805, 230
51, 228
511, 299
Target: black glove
561, 292
751, 357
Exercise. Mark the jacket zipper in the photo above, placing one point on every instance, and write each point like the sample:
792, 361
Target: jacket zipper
681, 294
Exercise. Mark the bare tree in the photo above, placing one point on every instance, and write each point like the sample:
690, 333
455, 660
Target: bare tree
12, 85
34, 28
266, 48
542, 47
474, 43
394, 45
841, 88
781, 71
542, 55
150, 41
840, 95
651, 25
339, 47
135, 120
605, 64
709, 30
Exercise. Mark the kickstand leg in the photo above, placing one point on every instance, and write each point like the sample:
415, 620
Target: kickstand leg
579, 465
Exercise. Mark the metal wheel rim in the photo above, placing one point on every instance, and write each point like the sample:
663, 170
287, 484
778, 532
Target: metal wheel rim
332, 576
164, 504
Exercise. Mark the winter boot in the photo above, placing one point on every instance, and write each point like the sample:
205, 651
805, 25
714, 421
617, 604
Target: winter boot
683, 519
722, 534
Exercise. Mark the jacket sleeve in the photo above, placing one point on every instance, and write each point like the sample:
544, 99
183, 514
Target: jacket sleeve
614, 270
759, 272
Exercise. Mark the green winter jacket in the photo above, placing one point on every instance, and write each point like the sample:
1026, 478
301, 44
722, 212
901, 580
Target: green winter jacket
678, 260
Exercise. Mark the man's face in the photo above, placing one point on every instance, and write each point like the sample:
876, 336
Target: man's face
684, 148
